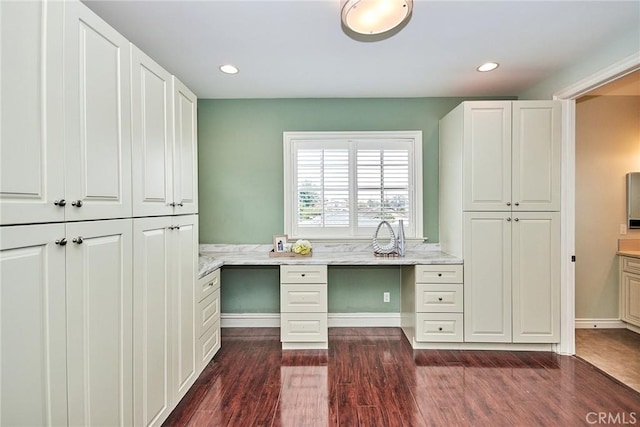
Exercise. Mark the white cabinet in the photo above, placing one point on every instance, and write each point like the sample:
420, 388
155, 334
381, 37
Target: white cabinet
99, 322
499, 203
208, 321
432, 303
32, 131
511, 155
164, 326
164, 148
512, 277
33, 384
303, 306
630, 290
97, 117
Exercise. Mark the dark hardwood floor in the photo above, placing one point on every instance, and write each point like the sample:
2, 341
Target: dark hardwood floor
372, 377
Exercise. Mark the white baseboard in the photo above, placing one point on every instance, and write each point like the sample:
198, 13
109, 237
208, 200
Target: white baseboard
600, 324
335, 320
633, 328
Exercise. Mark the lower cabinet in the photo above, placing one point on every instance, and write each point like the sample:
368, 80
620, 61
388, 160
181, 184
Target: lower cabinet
303, 306
432, 309
66, 317
630, 290
164, 327
208, 319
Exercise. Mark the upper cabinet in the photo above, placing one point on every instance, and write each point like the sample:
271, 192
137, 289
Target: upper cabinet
32, 131
98, 117
164, 146
511, 154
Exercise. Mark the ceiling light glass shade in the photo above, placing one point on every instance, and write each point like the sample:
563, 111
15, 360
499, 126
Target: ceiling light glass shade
374, 16
488, 66
229, 69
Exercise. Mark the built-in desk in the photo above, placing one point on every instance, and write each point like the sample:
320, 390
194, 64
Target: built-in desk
312, 293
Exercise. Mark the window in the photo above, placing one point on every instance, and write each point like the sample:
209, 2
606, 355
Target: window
340, 185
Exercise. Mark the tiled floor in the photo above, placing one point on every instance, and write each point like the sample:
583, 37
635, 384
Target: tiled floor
614, 351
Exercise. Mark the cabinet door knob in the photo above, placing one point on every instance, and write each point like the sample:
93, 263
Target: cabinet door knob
517, 203
177, 227
508, 219
173, 205
516, 220
180, 204
439, 274
77, 203
508, 203
439, 298
440, 328
171, 227
78, 240
61, 202
303, 274
61, 242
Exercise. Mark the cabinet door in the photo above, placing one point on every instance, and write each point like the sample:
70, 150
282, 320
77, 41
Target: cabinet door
630, 298
33, 388
99, 323
487, 277
32, 131
185, 169
536, 155
185, 263
487, 156
152, 242
97, 108
152, 136
536, 277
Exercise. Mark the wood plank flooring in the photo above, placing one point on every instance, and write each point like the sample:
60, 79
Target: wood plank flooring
615, 351
372, 377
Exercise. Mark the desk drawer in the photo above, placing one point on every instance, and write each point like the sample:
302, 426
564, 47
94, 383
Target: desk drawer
308, 298
208, 344
439, 273
303, 327
208, 284
631, 264
303, 274
439, 327
208, 312
445, 297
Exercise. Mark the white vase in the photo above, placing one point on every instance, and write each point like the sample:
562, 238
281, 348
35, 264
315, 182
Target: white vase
401, 237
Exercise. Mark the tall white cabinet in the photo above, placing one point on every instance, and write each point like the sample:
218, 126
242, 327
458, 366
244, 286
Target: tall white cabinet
499, 211
97, 301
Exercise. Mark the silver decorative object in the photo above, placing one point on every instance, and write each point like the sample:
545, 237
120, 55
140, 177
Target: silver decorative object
389, 249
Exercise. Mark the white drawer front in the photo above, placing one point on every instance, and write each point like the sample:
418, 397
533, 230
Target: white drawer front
439, 273
631, 264
209, 312
439, 298
303, 327
311, 298
209, 344
208, 284
439, 327
303, 274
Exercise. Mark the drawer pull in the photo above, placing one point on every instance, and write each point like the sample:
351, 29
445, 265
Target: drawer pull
210, 284
303, 274
439, 274
440, 328
439, 298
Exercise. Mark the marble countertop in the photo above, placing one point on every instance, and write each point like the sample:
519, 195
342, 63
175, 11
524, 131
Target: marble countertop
215, 256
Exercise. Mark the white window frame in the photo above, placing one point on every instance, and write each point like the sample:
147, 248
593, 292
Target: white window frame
291, 139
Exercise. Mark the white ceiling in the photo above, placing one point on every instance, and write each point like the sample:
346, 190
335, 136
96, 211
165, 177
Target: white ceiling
297, 48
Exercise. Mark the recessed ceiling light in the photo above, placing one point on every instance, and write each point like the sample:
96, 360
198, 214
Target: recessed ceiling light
488, 66
229, 69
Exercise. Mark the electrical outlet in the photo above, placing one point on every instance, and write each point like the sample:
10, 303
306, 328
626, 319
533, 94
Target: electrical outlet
623, 228
386, 297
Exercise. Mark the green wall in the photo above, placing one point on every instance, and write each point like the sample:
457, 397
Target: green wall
241, 187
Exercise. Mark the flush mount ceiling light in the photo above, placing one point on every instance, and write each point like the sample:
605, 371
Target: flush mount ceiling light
488, 66
229, 69
375, 16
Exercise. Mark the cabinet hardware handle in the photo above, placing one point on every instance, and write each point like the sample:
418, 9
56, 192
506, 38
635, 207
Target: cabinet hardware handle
210, 284
171, 227
517, 203
61, 242
61, 202
440, 328
77, 203
180, 204
78, 240
508, 203
516, 220
303, 275
173, 205
439, 298
177, 227
509, 219
439, 274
